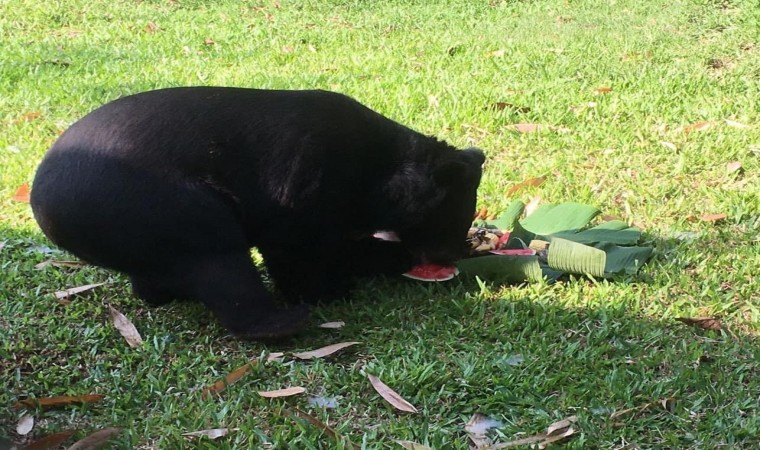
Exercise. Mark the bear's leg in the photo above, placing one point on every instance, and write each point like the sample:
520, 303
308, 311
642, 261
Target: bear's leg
229, 285
152, 291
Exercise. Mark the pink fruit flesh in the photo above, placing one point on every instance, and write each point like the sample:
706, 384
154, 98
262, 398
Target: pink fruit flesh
515, 252
502, 239
432, 272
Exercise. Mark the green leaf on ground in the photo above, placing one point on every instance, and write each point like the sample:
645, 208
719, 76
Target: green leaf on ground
502, 268
551, 219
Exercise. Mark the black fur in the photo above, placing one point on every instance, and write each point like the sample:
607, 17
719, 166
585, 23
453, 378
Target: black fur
174, 187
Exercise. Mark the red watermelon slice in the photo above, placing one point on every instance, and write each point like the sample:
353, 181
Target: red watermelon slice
432, 272
515, 252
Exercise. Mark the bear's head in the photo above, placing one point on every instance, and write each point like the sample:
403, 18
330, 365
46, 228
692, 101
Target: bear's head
440, 202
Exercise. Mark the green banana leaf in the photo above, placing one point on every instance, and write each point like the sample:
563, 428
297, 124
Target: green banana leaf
600, 251
501, 268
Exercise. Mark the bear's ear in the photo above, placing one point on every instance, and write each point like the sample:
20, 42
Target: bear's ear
461, 166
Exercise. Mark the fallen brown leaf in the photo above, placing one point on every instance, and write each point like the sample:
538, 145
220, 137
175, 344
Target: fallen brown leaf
54, 263
151, 27
333, 325
66, 293
22, 194
527, 127
275, 356
706, 323
477, 428
530, 182
231, 378
713, 217
733, 166
501, 106
126, 328
52, 441
54, 402
669, 145
481, 214
25, 425
208, 41
324, 351
666, 403
555, 432
213, 434
391, 396
28, 117
96, 440
319, 424
734, 124
287, 392
602, 90
699, 126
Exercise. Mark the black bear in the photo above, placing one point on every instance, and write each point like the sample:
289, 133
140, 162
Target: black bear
174, 187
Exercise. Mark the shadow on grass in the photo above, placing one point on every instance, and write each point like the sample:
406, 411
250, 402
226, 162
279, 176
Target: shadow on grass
526, 355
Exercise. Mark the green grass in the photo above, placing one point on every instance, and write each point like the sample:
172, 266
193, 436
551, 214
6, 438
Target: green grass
587, 348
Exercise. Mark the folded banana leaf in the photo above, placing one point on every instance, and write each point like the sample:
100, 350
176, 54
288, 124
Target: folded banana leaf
570, 245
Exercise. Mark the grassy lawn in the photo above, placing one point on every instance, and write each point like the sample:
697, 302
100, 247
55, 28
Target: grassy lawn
651, 113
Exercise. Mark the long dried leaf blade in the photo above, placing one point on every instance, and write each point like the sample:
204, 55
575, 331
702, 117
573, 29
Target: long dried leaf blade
324, 351
51, 441
391, 396
57, 401
66, 293
231, 378
96, 440
287, 392
213, 434
126, 328
706, 323
22, 194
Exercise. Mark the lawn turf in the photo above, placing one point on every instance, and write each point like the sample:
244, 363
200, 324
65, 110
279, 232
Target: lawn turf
619, 86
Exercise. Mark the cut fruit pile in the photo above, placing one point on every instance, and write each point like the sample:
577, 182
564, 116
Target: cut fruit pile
553, 241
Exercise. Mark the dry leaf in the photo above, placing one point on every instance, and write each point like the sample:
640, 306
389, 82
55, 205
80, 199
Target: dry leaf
125, 327
713, 217
54, 402
433, 101
65, 294
497, 54
319, 424
96, 440
54, 263
48, 442
28, 117
287, 392
324, 351
477, 428
409, 445
527, 127
706, 323
562, 434
151, 27
699, 126
22, 194
530, 182
667, 404
208, 41
231, 377
25, 425
213, 434
669, 146
333, 325
602, 90
734, 124
560, 425
391, 396
733, 166
275, 356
